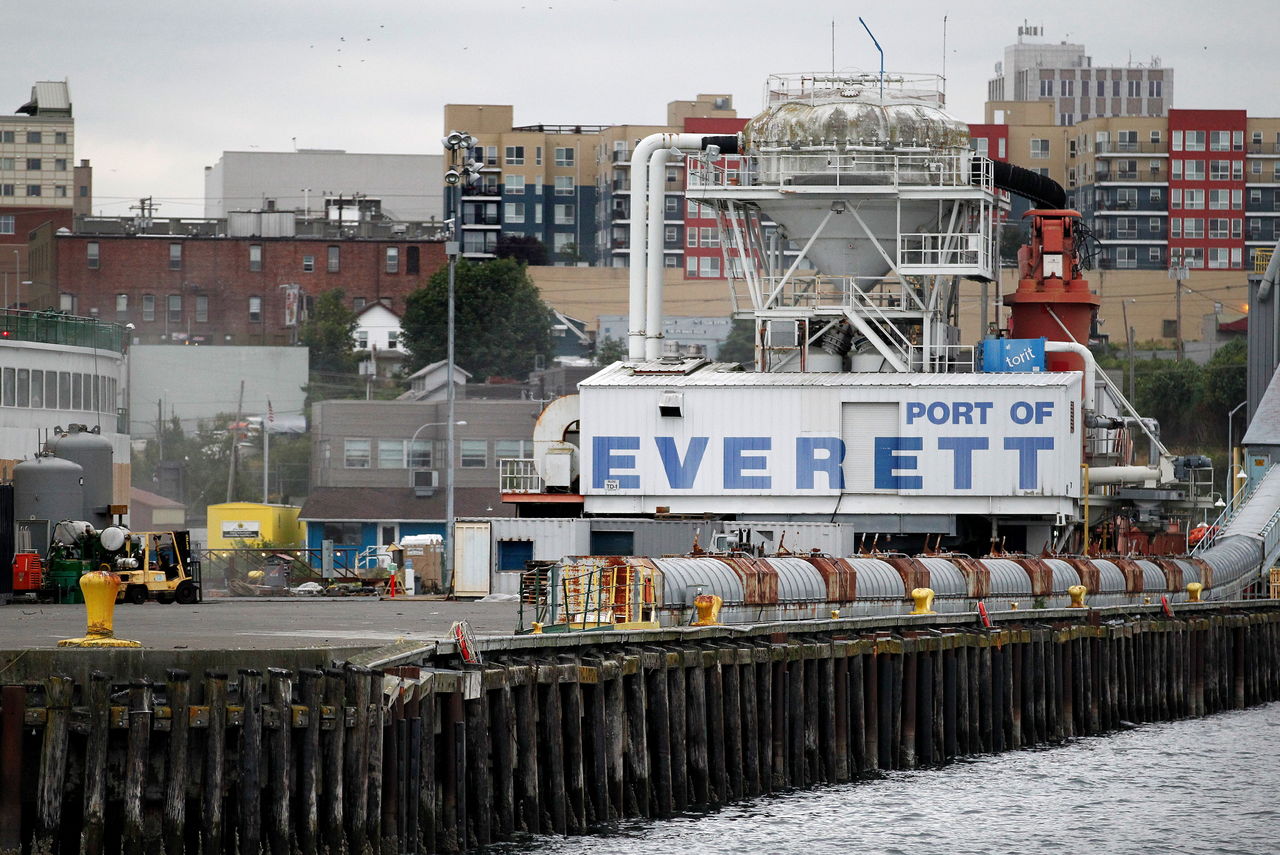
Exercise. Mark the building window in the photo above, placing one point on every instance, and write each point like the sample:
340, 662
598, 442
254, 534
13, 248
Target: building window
1153, 254
67, 302
1220, 170
1193, 170
474, 452
1126, 227
8, 190
255, 257
513, 185
60, 164
1193, 199
514, 155
564, 185
7, 224
393, 340
122, 305
175, 256
512, 449
60, 137
513, 212
334, 257
1219, 200
1195, 140
670, 235
690, 267
175, 308
60, 190
33, 190
33, 164
564, 215
411, 260
710, 237
1155, 88
362, 339
356, 453
691, 237
202, 308
1046, 88
34, 137
8, 163
393, 259
308, 263
1039, 149
1219, 258
391, 453
709, 267
420, 454
1169, 328
1219, 141
1193, 228
255, 310
1219, 228
148, 307
1175, 227
564, 156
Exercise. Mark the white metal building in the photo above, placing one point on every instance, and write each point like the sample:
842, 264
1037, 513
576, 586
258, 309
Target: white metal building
409, 186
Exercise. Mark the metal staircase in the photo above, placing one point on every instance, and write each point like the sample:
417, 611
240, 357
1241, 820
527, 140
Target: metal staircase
1254, 517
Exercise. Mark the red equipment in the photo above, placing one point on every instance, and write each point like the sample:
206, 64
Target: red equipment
1050, 285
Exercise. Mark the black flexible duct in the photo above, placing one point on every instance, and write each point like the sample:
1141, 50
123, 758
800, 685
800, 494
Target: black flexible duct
1041, 190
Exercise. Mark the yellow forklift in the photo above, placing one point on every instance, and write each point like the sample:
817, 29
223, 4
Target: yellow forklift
165, 571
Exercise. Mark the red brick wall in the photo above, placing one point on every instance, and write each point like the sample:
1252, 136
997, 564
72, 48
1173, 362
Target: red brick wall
218, 268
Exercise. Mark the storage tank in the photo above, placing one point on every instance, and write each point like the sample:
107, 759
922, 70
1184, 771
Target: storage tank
836, 135
92, 451
47, 488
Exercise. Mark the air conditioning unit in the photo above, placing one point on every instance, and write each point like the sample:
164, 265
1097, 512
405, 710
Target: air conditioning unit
425, 482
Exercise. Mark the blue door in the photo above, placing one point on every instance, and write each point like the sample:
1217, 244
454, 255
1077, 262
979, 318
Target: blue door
512, 554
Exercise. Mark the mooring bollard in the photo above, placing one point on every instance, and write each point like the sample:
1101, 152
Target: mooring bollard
1077, 593
708, 606
99, 588
924, 601
1193, 592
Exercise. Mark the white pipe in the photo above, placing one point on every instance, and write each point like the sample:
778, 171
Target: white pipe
1090, 371
657, 209
636, 248
1123, 474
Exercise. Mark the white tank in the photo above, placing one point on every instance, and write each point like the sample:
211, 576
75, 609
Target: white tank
848, 137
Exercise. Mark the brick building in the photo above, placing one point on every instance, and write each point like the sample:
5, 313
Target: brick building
206, 288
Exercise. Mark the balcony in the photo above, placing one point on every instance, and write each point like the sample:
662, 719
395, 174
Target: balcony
1157, 176
488, 191
1264, 148
481, 220
621, 157
51, 328
1115, 148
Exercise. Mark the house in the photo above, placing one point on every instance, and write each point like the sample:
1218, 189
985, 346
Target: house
428, 383
378, 335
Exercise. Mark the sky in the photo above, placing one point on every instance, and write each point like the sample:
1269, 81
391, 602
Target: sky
161, 89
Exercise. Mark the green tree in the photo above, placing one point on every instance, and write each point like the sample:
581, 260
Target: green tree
740, 345
525, 248
502, 325
609, 351
329, 333
1172, 391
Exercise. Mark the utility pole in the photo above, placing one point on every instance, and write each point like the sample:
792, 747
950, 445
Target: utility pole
1128, 335
1177, 274
235, 444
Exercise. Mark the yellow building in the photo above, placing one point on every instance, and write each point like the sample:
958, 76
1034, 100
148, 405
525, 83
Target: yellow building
236, 524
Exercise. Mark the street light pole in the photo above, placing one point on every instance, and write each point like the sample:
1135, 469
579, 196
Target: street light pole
414, 438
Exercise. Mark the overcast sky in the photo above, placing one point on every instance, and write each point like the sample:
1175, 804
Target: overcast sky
161, 89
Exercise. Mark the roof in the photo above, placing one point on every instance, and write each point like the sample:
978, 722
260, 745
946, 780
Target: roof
726, 374
436, 366
48, 96
1264, 427
387, 504
139, 496
377, 304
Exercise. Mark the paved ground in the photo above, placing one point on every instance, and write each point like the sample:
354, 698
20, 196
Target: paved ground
259, 623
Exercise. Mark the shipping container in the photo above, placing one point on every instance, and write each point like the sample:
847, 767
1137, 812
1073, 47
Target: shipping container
236, 524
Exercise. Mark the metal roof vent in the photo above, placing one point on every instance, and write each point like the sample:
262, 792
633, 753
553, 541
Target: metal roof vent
671, 404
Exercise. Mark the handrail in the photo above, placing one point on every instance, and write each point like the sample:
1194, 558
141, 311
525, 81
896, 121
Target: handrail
1237, 503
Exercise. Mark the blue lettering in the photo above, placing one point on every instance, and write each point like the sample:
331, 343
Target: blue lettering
1021, 412
887, 463
1027, 446
939, 412
604, 461
681, 473
915, 410
737, 461
962, 448
807, 464
983, 407
963, 413
1044, 410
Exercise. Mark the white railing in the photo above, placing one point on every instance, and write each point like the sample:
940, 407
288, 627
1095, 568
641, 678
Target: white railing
948, 358
1234, 506
821, 87
960, 252
851, 168
518, 475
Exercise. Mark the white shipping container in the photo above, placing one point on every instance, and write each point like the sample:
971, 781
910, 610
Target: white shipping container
471, 559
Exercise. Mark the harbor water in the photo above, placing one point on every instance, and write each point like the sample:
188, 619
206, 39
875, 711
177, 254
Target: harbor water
1191, 787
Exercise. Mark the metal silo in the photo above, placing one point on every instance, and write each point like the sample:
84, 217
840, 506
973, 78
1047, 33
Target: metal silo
92, 451
49, 489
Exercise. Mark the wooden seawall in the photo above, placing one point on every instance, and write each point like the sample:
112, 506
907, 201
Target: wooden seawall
405, 750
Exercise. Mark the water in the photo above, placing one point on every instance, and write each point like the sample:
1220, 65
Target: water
1182, 788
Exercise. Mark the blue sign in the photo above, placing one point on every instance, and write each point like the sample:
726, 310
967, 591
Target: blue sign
1002, 355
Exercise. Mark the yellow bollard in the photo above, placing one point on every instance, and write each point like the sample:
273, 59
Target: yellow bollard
835, 614
1013, 606
537, 628
99, 588
1146, 601
1077, 593
708, 606
924, 601
1193, 592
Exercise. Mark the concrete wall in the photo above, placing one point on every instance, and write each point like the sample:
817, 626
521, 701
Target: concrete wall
197, 383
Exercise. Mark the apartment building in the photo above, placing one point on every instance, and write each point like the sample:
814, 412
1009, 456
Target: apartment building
1063, 76
569, 186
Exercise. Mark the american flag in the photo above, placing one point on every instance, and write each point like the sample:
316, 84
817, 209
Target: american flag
271, 414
